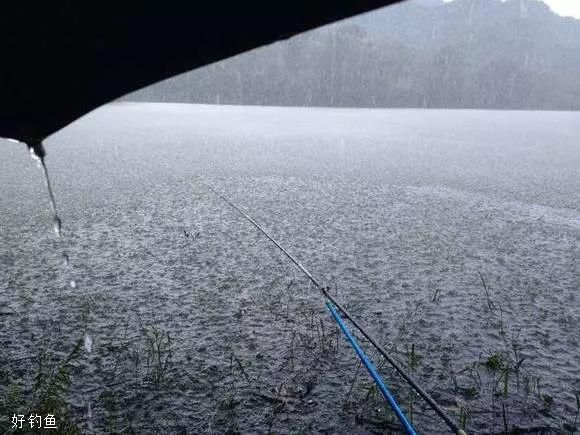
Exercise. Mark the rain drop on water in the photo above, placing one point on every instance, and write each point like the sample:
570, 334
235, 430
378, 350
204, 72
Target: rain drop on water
73, 283
65, 259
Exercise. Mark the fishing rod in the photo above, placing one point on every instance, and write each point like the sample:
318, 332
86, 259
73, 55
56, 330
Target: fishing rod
373, 372
420, 391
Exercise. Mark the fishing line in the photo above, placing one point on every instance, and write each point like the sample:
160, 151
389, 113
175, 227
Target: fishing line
424, 395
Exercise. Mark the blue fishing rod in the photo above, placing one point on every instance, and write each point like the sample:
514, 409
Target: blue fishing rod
331, 303
372, 371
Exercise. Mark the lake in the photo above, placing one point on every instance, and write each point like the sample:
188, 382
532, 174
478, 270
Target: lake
451, 234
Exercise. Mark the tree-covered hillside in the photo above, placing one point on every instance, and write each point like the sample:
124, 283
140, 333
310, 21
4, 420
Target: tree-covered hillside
514, 54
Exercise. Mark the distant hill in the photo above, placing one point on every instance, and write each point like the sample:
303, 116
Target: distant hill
515, 54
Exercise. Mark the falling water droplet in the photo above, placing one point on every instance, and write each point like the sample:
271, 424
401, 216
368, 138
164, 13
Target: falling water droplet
35, 157
57, 225
90, 417
88, 343
38, 153
73, 283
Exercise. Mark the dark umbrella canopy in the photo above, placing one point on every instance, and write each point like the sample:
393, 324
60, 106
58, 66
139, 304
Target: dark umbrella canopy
61, 59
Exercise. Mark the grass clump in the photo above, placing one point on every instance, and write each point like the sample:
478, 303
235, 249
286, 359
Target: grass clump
47, 394
159, 355
495, 362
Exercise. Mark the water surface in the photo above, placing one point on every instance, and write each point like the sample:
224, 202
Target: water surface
399, 211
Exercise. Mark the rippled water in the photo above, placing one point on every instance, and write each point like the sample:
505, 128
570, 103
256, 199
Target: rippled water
399, 211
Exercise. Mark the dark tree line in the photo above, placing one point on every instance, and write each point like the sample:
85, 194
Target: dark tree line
423, 53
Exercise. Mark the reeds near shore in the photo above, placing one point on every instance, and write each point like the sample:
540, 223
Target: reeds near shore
147, 367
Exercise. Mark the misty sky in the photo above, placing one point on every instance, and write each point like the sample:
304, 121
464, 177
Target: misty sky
566, 8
